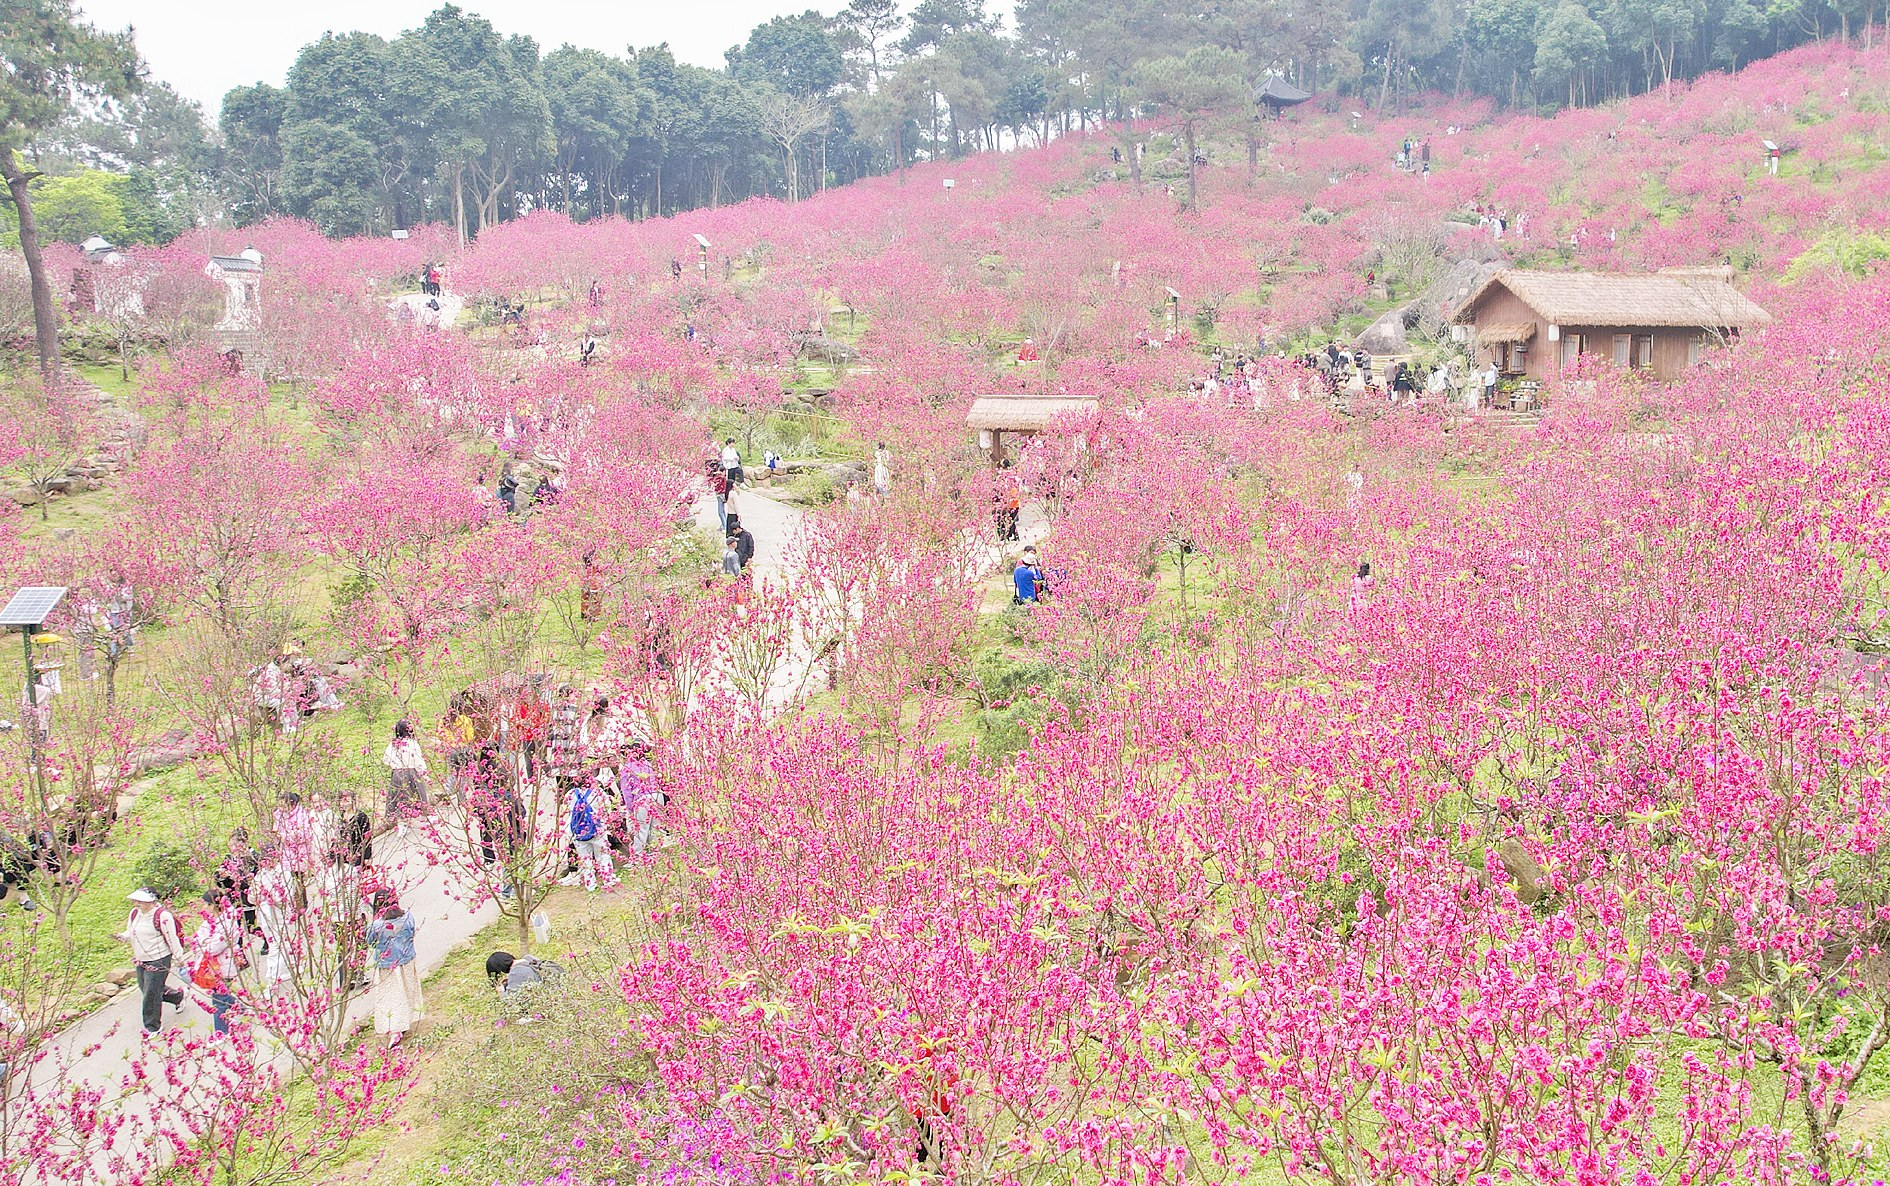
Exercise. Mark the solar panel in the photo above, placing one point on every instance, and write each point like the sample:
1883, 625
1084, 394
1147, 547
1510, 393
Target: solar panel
32, 605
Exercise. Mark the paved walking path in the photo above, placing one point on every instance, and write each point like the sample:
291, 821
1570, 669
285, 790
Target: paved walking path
100, 1051
773, 523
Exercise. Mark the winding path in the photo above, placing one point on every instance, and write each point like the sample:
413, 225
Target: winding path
99, 1051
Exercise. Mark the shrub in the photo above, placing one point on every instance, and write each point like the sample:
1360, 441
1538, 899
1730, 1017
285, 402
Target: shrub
816, 487
1006, 691
167, 869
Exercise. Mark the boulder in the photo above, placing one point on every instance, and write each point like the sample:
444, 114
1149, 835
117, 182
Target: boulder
1384, 336
26, 496
820, 348
119, 977
173, 747
1522, 870
1437, 303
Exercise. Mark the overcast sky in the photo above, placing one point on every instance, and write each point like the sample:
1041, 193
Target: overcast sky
205, 47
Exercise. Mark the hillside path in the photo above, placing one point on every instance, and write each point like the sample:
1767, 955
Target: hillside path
99, 1051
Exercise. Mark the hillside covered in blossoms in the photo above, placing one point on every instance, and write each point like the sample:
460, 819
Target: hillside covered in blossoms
1346, 788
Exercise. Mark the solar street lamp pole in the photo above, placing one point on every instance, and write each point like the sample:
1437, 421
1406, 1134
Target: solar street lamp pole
29, 609
32, 716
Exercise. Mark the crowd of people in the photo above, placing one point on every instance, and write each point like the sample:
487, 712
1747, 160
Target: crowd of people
290, 688
1348, 374
314, 886
311, 897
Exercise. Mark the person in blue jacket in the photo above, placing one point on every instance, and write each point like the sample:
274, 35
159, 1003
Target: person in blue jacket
1027, 577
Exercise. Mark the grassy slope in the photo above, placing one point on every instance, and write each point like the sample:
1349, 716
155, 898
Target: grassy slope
451, 1121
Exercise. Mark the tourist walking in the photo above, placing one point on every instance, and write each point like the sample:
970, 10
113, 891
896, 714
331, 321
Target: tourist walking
590, 838
636, 785
732, 462
151, 930
219, 945
1010, 510
719, 486
295, 834
353, 846
398, 1002
273, 893
456, 734
563, 758
406, 774
529, 728
744, 541
235, 880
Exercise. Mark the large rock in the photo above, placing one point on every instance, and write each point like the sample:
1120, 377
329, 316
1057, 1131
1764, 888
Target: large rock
26, 496
820, 348
842, 472
1384, 336
170, 749
1522, 870
1431, 310
1435, 306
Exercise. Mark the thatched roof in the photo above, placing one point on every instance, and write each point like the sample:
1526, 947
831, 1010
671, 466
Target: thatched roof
1520, 332
1693, 298
1024, 413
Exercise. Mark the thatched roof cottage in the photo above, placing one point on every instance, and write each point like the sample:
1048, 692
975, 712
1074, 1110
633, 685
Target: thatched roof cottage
1531, 324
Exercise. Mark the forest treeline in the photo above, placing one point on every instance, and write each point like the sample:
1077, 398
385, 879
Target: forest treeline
457, 122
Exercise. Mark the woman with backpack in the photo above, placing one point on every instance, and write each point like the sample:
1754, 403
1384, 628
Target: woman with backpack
398, 1002
155, 947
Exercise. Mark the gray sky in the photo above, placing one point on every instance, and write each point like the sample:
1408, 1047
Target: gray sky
205, 47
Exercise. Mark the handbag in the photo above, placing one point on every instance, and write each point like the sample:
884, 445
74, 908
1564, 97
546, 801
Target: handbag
206, 974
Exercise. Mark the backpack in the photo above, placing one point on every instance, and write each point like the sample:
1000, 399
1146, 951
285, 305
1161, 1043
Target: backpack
583, 817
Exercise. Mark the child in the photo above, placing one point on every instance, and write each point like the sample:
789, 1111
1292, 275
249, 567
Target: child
590, 837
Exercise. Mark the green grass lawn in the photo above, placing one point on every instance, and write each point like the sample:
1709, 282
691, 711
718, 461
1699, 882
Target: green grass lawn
109, 378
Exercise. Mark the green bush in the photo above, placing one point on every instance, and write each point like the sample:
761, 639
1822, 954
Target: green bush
816, 487
1854, 252
1006, 691
167, 869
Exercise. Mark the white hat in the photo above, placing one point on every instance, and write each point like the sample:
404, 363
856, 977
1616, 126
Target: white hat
142, 895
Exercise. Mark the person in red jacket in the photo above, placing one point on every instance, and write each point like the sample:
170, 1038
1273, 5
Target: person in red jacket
531, 725
933, 1064
719, 486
